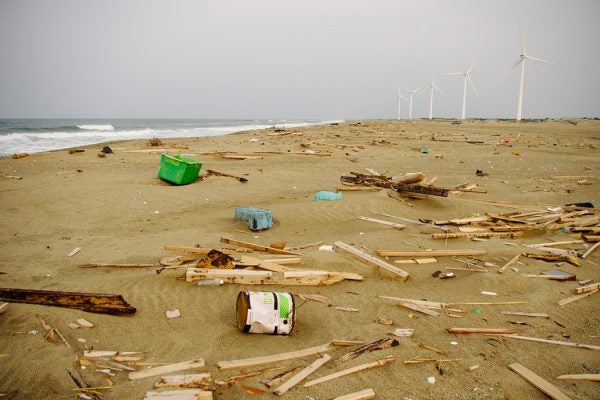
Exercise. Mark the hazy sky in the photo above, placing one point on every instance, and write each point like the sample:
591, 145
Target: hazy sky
319, 59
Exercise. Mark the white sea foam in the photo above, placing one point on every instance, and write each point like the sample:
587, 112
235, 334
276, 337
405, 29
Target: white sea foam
105, 127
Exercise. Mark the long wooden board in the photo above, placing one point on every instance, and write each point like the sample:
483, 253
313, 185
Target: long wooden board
296, 379
430, 253
366, 394
378, 363
539, 382
365, 258
165, 369
258, 247
91, 302
261, 360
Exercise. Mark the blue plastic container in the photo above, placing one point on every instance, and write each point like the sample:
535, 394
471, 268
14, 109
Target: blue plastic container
325, 195
256, 219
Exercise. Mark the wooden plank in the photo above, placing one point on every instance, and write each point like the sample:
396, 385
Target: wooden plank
185, 381
509, 263
469, 220
415, 307
424, 303
365, 258
365, 394
380, 344
591, 249
379, 363
553, 258
184, 394
382, 222
493, 331
90, 302
539, 382
453, 235
165, 369
571, 299
526, 314
300, 376
581, 377
261, 277
556, 342
193, 250
587, 288
97, 265
430, 253
261, 360
258, 247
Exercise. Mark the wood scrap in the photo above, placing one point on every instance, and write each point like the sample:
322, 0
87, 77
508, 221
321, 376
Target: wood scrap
590, 250
365, 394
258, 247
580, 296
261, 360
112, 265
281, 377
493, 331
400, 332
232, 379
90, 302
509, 263
416, 307
411, 221
253, 277
3, 308
424, 303
539, 382
365, 258
183, 394
375, 364
526, 314
386, 182
588, 288
164, 369
581, 377
216, 259
553, 258
556, 342
382, 222
454, 235
380, 344
300, 376
430, 253
217, 173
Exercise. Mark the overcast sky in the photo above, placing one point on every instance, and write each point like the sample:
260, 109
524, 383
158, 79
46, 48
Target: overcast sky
315, 59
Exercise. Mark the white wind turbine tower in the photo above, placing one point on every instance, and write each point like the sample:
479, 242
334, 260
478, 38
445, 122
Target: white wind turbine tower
433, 87
467, 77
522, 57
400, 98
411, 93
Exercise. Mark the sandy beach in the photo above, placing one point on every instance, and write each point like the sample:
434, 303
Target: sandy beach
116, 210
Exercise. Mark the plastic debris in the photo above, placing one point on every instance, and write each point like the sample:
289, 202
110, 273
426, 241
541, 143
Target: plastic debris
325, 195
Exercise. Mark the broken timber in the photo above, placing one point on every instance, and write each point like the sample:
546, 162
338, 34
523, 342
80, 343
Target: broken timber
453, 235
539, 382
385, 182
90, 302
430, 253
258, 247
361, 395
376, 345
165, 369
379, 363
296, 379
365, 258
252, 277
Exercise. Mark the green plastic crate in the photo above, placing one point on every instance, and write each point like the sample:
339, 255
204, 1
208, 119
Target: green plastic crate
178, 169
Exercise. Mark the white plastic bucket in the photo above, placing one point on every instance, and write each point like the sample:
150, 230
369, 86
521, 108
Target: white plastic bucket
265, 312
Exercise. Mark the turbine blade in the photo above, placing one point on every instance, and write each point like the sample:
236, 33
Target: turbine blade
521, 37
471, 67
519, 61
453, 73
541, 60
472, 85
438, 89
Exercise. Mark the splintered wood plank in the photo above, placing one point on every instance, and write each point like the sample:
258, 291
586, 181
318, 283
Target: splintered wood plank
365, 258
254, 361
258, 247
360, 395
581, 377
379, 363
165, 369
588, 288
296, 379
382, 222
539, 382
185, 381
482, 330
580, 296
430, 253
556, 342
186, 394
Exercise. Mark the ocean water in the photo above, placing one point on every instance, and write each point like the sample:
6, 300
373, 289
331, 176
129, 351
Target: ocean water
37, 135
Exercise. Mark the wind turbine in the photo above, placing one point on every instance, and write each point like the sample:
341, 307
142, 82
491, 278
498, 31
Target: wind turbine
522, 57
411, 93
400, 98
467, 77
433, 87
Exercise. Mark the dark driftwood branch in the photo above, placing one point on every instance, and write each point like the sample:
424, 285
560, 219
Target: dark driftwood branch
385, 182
91, 302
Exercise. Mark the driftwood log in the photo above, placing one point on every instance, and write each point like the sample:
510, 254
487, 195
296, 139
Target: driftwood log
389, 183
91, 302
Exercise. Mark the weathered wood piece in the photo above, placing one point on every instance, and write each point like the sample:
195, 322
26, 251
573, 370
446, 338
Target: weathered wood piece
365, 258
382, 222
454, 235
556, 342
539, 382
300, 376
379, 363
253, 277
587, 288
254, 361
258, 247
493, 331
281, 377
386, 182
509, 263
416, 307
106, 265
3, 308
201, 381
184, 394
360, 395
424, 303
580, 296
217, 173
581, 377
590, 250
165, 369
553, 258
400, 332
430, 253
526, 314
380, 344
90, 302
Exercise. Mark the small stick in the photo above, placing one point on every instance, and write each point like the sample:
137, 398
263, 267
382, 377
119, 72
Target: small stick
509, 263
379, 363
296, 379
591, 249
